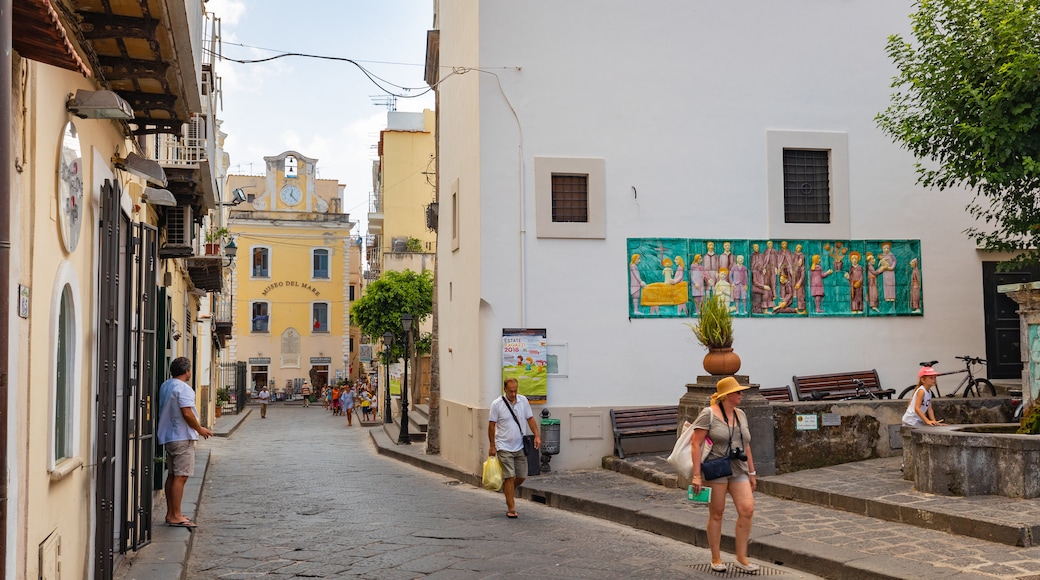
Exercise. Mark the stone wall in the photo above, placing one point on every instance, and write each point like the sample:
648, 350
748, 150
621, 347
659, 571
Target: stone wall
856, 430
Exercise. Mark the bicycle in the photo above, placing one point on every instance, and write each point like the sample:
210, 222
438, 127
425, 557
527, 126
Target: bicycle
862, 392
973, 386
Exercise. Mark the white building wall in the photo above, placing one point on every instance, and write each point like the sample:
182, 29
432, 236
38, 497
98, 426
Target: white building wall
678, 99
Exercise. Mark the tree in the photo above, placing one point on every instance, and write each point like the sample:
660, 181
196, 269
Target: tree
968, 101
380, 308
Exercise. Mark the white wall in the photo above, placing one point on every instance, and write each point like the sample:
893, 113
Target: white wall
677, 98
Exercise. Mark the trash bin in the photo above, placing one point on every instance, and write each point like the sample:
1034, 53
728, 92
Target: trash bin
551, 436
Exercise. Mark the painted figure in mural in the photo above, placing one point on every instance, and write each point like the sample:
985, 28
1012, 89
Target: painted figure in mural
837, 253
887, 267
785, 256
697, 282
738, 278
761, 291
855, 278
798, 273
872, 290
680, 273
711, 265
772, 261
915, 286
787, 304
816, 276
635, 281
723, 288
726, 259
666, 271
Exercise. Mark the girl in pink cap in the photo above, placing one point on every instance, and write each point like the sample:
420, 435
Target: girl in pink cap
919, 412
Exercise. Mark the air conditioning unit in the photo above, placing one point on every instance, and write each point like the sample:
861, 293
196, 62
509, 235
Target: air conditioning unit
179, 229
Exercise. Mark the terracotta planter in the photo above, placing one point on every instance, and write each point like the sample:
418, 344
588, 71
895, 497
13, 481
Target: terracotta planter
721, 361
218, 410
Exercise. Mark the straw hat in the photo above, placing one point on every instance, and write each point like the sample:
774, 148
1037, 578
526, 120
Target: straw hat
726, 386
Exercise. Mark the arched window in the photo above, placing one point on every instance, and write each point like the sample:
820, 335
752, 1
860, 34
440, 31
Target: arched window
63, 381
290, 166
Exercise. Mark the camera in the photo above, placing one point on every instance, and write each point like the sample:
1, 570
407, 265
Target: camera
738, 453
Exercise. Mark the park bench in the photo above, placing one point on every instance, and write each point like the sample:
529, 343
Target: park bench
838, 386
777, 394
643, 422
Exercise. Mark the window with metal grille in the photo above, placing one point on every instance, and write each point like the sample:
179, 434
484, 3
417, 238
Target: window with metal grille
570, 198
320, 264
261, 317
320, 314
261, 263
807, 188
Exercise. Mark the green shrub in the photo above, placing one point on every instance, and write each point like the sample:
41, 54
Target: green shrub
1030, 424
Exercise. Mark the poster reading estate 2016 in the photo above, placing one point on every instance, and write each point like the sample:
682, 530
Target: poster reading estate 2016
523, 359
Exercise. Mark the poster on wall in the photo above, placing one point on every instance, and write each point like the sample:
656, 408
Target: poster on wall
524, 358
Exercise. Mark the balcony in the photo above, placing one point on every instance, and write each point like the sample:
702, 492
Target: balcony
375, 213
223, 323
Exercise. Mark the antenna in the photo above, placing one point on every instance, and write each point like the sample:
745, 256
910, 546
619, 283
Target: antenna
388, 101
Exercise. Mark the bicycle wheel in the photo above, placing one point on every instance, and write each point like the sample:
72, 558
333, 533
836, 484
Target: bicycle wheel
981, 388
907, 391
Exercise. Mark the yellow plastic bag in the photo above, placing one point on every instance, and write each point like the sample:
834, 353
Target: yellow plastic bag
492, 478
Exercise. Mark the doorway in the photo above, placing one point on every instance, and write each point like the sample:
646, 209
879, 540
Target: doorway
1003, 342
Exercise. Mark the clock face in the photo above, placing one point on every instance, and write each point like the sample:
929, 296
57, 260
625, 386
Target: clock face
291, 195
70, 188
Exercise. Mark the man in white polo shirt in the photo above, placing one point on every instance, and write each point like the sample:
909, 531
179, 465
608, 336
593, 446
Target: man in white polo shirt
178, 430
507, 439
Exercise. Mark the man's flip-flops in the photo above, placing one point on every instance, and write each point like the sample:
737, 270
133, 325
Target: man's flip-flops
511, 515
185, 524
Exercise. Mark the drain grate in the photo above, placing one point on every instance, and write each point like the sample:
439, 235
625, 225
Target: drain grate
734, 573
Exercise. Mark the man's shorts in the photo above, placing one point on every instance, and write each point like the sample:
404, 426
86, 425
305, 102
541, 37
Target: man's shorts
180, 457
514, 463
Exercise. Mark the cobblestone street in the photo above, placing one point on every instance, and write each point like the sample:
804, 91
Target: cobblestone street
300, 494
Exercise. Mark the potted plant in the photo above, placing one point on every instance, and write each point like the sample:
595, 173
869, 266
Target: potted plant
714, 330
222, 399
214, 237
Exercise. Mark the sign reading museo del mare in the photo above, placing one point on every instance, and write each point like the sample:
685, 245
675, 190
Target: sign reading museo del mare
290, 284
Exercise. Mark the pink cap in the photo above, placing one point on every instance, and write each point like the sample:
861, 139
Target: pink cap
926, 372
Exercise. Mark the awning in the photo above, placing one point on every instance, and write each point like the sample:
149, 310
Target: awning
39, 35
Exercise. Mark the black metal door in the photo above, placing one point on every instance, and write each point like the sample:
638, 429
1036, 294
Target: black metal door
140, 428
1003, 342
108, 377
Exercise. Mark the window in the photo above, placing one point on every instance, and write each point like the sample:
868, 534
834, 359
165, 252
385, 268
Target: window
807, 189
261, 317
261, 263
807, 184
320, 264
320, 316
570, 197
455, 215
290, 166
351, 298
64, 370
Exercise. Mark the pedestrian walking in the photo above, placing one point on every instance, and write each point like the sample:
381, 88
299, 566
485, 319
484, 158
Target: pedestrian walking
347, 402
727, 428
264, 397
336, 404
506, 439
177, 431
366, 405
306, 392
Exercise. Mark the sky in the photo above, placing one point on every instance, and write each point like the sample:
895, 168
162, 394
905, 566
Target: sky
324, 109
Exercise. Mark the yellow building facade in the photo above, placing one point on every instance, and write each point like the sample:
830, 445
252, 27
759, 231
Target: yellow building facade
292, 284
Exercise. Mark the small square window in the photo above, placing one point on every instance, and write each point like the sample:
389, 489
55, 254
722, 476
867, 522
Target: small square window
807, 188
570, 198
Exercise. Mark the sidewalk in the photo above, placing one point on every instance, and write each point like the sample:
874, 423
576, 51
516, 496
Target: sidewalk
166, 556
859, 540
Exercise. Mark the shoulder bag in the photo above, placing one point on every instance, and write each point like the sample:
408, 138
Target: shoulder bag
719, 467
528, 439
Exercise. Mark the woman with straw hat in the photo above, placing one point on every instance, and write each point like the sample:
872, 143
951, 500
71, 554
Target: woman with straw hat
725, 428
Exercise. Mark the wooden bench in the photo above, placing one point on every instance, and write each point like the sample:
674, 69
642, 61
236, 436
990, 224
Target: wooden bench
642, 422
777, 394
838, 386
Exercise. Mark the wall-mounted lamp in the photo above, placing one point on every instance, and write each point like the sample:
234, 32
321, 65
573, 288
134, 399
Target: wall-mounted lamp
141, 167
230, 250
154, 196
99, 105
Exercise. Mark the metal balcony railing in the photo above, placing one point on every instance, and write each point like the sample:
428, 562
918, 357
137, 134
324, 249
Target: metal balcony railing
222, 309
185, 150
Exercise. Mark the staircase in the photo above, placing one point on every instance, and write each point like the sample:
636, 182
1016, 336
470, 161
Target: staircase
418, 421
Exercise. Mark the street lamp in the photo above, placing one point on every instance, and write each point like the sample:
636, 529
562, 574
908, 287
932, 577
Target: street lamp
388, 340
406, 326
